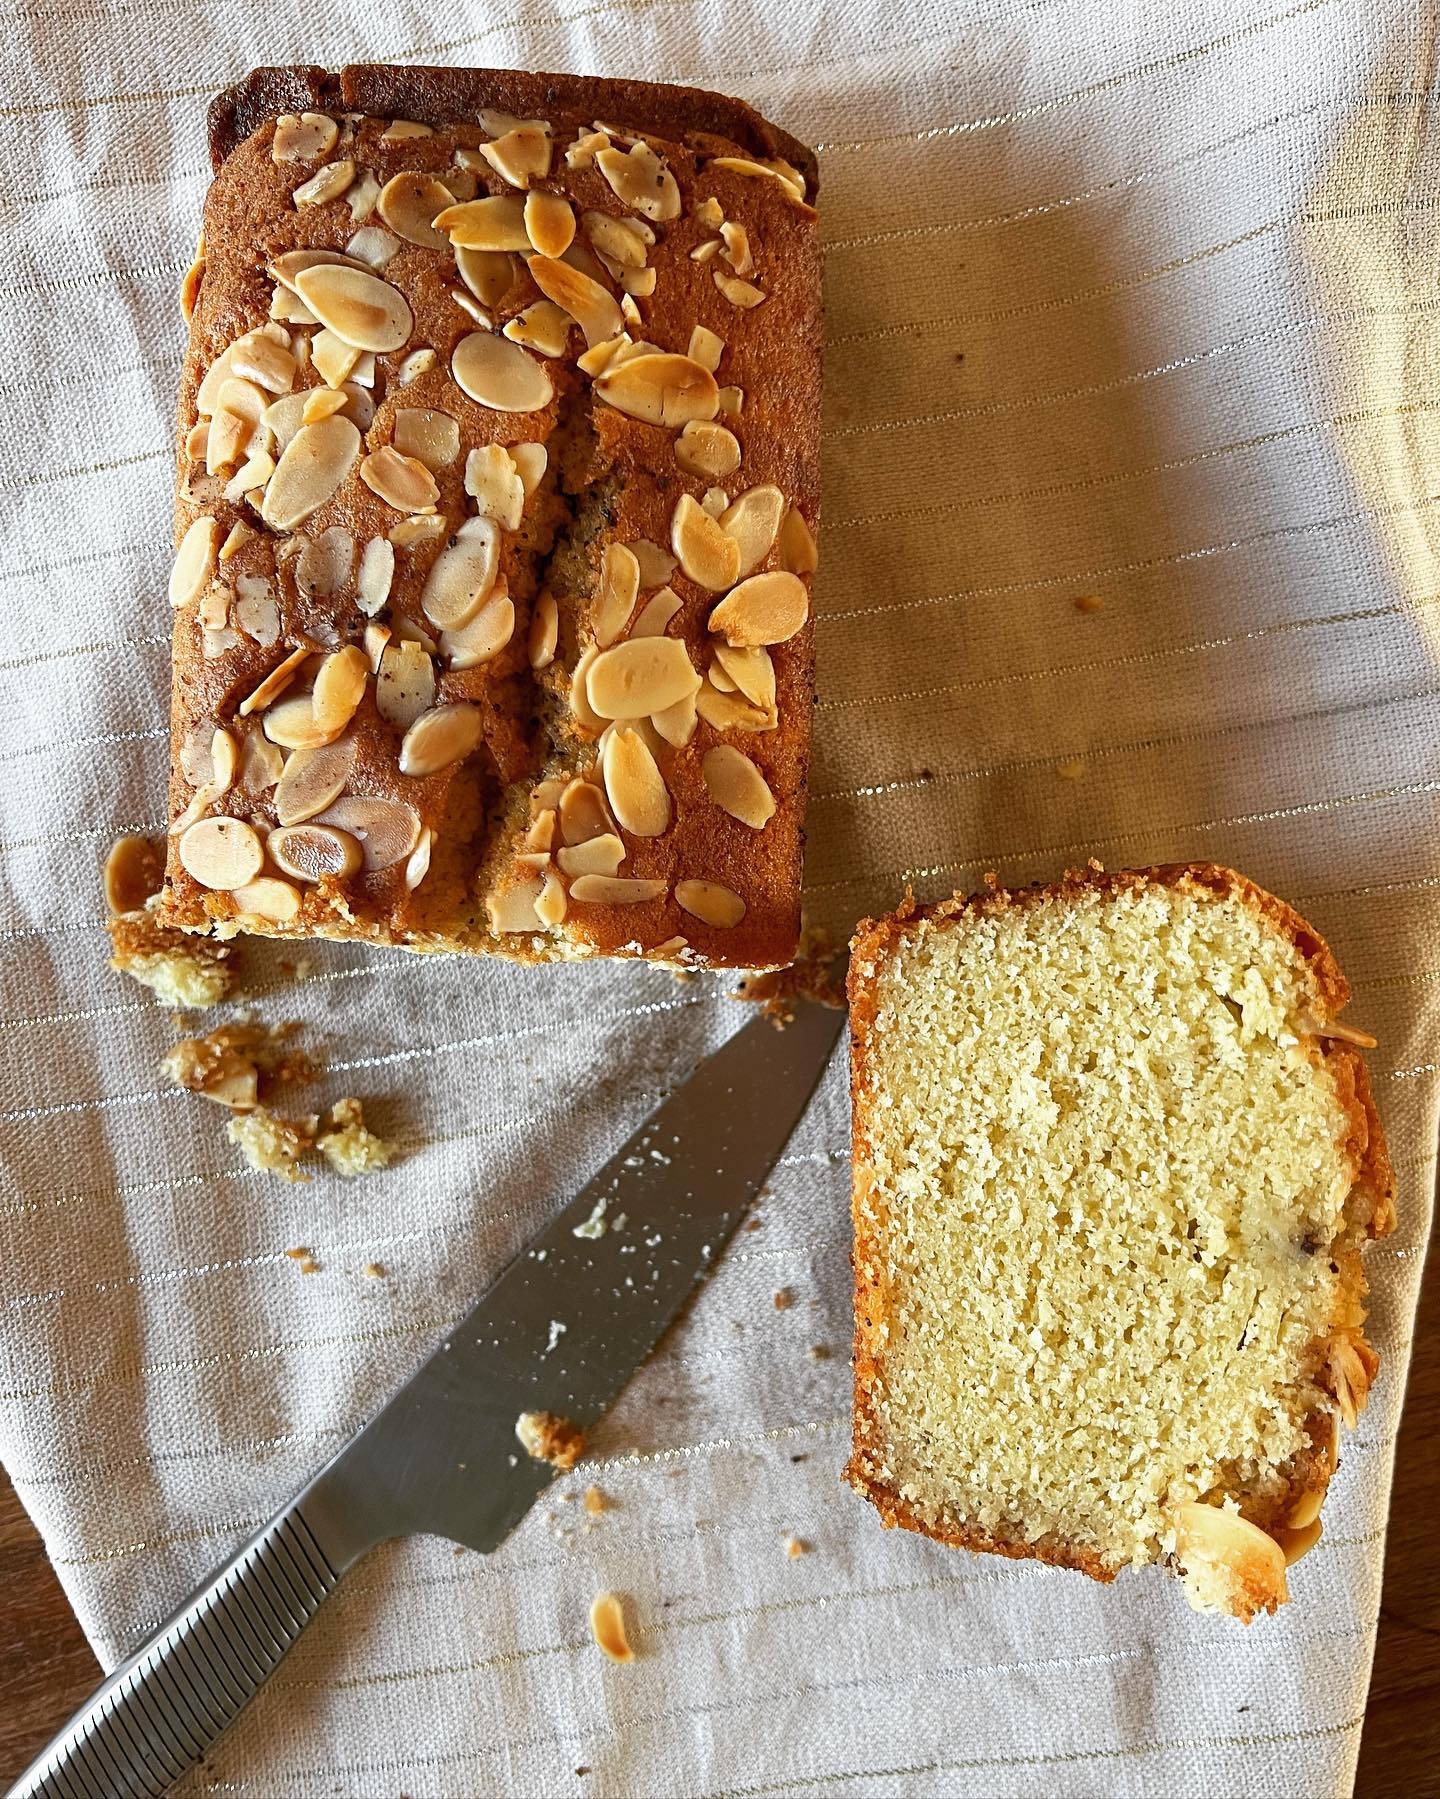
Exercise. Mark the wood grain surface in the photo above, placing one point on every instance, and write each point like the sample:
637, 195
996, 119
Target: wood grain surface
46, 1668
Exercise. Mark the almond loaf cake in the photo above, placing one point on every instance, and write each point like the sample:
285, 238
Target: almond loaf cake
499, 478
1114, 1161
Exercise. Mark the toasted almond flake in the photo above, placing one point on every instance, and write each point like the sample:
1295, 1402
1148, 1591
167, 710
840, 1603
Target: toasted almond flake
289, 309
641, 181
377, 571
409, 204
314, 463
268, 898
612, 240
766, 609
251, 474
239, 413
362, 197
714, 500
779, 171
197, 440
221, 853
638, 283
751, 672
595, 362
707, 450
494, 483
417, 363
262, 356
743, 294
583, 715
357, 306
440, 738
275, 683
320, 402
256, 611
499, 374
489, 274
325, 564
544, 327
607, 1626
737, 248
495, 223
340, 684
285, 416
326, 184
709, 213
483, 637
737, 786
754, 522
375, 639
286, 268
711, 903
661, 389
313, 852
472, 308
405, 685
401, 481
374, 246
636, 789
214, 609
708, 251
544, 630
512, 907
399, 130
1295, 1543
1349, 1380
540, 836
1229, 1564
709, 556
191, 282
575, 293
194, 567
549, 222
290, 722
261, 764
706, 348
418, 528
640, 677
134, 869
386, 830
656, 565
676, 724
616, 595
583, 813
240, 534
582, 152
731, 400
551, 906
299, 137
598, 855
520, 156
795, 548
731, 711
418, 865
614, 890
462, 576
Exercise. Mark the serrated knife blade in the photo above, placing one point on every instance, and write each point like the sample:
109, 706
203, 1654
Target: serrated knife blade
561, 1329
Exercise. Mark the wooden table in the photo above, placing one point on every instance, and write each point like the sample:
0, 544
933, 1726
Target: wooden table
46, 1667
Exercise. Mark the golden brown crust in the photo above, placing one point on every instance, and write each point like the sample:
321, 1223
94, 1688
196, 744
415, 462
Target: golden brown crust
1342, 1358
772, 353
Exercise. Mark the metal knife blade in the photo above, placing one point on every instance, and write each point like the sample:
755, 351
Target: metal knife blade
572, 1317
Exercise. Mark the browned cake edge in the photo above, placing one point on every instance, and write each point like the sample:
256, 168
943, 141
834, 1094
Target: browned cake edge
1369, 1210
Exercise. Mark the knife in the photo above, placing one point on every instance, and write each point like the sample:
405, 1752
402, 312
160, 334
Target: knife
561, 1329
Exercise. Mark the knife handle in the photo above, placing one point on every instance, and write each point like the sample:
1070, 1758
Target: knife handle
160, 1713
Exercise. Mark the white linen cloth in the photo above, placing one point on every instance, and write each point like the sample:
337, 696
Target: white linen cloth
1129, 302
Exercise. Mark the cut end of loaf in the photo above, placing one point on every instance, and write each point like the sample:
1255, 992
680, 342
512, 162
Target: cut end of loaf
1112, 1176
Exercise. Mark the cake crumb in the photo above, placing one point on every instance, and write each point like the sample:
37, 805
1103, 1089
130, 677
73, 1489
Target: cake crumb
597, 1501
607, 1626
754, 1224
549, 1438
187, 973
348, 1146
299, 1253
819, 1352
271, 1144
784, 1299
797, 1546
377, 1271
1071, 770
812, 975
1088, 602
237, 1064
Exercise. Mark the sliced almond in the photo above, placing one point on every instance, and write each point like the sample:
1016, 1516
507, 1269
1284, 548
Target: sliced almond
592, 307
261, 764
544, 630
462, 576
795, 548
520, 156
197, 440
707, 450
386, 830
1349, 1380
1305, 1510
543, 327
405, 685
377, 571
512, 907
291, 723
428, 436
583, 813
440, 738
418, 864
731, 711
754, 522
612, 239
496, 223
325, 564
321, 402
737, 250
362, 197
494, 483
531, 461
499, 374
708, 251
194, 567
221, 853
676, 724
299, 137
472, 308
663, 389
401, 481
418, 528
598, 855
239, 414
489, 274
737, 786
312, 852
357, 306
743, 294
656, 565
292, 263
1230, 1565
711, 903
614, 890
374, 641
714, 500
730, 401
236, 539
399, 130
779, 171
374, 246
708, 554
1298, 1541
483, 637
275, 683
751, 672
640, 677
409, 204
262, 356
551, 906
549, 222
583, 715
268, 898
253, 473
340, 684
134, 869
314, 463
641, 181
768, 608
636, 789
540, 836
191, 282
417, 363
326, 184
256, 611
705, 347
709, 213
290, 309
616, 595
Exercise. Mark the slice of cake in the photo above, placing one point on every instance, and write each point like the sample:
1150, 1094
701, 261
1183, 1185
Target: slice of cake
1114, 1164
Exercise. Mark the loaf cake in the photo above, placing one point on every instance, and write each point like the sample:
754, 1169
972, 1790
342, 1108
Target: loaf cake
1115, 1159
498, 491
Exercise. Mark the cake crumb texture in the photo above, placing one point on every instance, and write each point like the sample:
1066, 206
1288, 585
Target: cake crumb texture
1112, 1175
